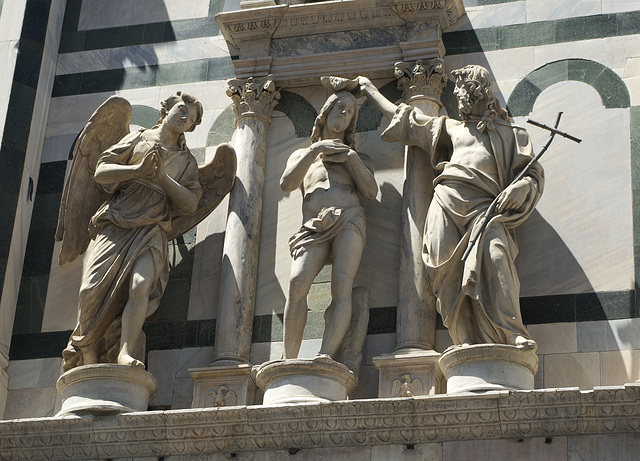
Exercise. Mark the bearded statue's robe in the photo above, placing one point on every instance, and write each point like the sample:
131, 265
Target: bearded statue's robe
134, 220
477, 298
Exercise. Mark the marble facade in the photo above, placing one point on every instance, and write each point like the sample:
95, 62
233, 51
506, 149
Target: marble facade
578, 252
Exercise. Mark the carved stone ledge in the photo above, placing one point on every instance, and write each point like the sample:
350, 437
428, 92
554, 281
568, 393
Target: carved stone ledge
260, 34
440, 418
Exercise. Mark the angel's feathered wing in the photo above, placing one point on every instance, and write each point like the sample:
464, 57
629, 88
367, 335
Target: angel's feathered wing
82, 196
216, 177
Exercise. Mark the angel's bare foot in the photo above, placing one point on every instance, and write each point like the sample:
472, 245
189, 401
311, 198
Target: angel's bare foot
126, 359
524, 343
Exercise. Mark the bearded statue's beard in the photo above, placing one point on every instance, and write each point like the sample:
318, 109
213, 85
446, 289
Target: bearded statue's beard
464, 105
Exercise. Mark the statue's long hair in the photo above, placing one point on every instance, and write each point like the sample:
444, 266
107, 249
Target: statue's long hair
321, 119
167, 104
481, 88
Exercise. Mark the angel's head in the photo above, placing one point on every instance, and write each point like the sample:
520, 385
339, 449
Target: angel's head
189, 101
340, 114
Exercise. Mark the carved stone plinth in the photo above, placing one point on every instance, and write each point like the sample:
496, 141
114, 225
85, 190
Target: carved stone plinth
488, 367
305, 381
105, 389
223, 385
409, 373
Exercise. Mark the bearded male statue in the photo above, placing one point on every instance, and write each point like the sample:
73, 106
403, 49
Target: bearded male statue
476, 160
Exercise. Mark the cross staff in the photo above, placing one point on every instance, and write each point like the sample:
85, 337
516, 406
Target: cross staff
486, 217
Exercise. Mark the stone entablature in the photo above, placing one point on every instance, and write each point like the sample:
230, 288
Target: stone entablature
252, 33
403, 421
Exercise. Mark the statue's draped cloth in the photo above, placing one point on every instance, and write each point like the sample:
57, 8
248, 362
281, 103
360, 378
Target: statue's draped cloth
135, 219
329, 223
482, 291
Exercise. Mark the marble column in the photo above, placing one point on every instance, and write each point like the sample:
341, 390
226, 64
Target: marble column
253, 103
414, 358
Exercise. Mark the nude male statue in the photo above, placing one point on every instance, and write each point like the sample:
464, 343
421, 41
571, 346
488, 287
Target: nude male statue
476, 160
332, 177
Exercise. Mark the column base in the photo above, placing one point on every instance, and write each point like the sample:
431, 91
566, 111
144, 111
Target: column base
407, 373
223, 385
321, 379
105, 389
488, 367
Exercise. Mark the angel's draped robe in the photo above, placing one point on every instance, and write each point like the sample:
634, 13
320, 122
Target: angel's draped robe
135, 219
477, 298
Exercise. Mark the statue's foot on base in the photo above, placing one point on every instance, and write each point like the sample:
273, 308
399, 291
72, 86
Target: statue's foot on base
126, 359
524, 343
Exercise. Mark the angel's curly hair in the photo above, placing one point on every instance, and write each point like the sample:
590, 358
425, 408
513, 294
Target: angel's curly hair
174, 99
321, 119
481, 87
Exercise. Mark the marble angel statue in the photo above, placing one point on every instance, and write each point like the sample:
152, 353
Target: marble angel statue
128, 195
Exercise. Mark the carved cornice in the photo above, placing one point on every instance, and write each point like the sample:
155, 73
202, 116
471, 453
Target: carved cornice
249, 33
253, 97
441, 418
421, 79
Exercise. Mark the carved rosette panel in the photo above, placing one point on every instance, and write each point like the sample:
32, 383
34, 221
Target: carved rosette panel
253, 97
421, 78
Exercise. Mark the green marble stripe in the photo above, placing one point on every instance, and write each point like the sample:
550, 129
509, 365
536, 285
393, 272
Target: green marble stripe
177, 333
73, 40
542, 33
202, 70
607, 83
299, 111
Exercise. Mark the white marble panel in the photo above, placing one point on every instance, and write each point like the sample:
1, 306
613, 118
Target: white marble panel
554, 338
57, 148
309, 348
612, 52
604, 446
545, 10
8, 56
572, 370
619, 367
481, 17
182, 393
612, 335
580, 239
193, 357
142, 55
35, 373
618, 6
11, 20
98, 14
263, 352
490, 450
375, 345
30, 403
163, 366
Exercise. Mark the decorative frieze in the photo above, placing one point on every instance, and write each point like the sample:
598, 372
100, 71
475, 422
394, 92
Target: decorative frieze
493, 415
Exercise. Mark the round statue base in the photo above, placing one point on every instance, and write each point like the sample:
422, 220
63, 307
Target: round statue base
488, 367
304, 381
105, 389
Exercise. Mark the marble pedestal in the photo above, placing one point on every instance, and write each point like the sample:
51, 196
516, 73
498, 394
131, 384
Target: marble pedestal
105, 389
488, 367
223, 385
406, 373
305, 381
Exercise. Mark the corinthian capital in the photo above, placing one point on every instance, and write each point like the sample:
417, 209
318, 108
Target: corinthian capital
421, 79
253, 97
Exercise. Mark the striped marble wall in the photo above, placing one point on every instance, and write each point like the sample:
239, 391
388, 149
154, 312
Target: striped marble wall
578, 251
